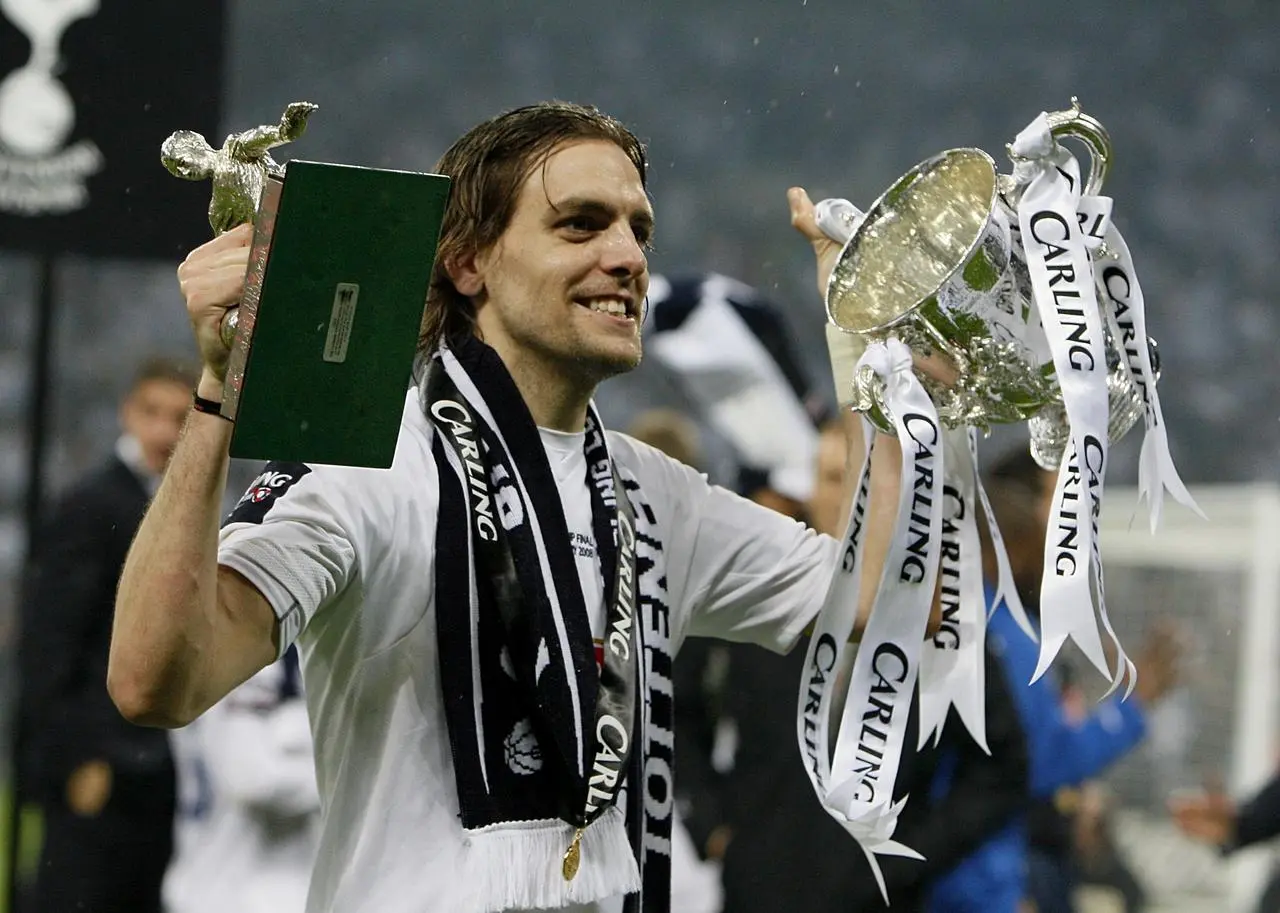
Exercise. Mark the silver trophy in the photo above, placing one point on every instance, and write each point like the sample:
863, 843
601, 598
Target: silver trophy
936, 262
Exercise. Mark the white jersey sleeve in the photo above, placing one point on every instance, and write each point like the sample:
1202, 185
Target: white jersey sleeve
735, 570
291, 537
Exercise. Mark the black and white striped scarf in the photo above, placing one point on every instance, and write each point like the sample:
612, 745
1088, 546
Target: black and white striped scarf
541, 736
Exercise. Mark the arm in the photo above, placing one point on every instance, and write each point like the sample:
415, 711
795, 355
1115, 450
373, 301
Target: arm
1067, 753
886, 459
1079, 752
1212, 817
186, 631
757, 576
1062, 752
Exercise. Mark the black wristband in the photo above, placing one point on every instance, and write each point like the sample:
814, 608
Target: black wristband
207, 406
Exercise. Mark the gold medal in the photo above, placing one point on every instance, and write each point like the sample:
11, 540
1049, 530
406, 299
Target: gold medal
572, 857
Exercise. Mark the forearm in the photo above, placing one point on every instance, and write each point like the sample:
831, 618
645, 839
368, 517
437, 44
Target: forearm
165, 636
882, 512
1078, 752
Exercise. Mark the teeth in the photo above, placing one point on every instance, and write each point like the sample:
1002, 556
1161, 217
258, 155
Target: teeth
608, 306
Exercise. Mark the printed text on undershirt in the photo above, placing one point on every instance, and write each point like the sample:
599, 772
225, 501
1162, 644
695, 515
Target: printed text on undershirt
569, 467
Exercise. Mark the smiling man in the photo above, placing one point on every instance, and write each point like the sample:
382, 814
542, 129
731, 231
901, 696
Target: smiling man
487, 628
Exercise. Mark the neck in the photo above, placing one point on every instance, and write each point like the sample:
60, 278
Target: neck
557, 400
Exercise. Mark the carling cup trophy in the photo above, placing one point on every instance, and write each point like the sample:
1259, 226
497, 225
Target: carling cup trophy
322, 341
961, 299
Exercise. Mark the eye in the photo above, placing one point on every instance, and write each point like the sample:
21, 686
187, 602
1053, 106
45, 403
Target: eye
644, 234
581, 224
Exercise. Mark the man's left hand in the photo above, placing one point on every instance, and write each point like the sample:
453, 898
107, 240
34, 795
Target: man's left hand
826, 250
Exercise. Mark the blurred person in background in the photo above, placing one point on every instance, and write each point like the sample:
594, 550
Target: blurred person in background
1100, 863
1213, 817
730, 350
1064, 751
732, 353
105, 788
248, 807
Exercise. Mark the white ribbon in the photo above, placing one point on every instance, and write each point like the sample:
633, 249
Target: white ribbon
1063, 285
838, 219
1006, 586
1118, 286
856, 786
952, 667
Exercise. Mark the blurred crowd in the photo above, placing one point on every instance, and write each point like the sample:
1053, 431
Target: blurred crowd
222, 815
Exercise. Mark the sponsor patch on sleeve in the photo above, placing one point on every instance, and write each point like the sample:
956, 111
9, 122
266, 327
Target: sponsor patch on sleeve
264, 491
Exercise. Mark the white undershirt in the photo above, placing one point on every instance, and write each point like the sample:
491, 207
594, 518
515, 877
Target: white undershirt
568, 462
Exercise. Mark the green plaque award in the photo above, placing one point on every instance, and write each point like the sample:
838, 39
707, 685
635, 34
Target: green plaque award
323, 341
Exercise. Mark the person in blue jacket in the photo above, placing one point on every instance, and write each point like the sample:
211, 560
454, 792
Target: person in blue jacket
1063, 752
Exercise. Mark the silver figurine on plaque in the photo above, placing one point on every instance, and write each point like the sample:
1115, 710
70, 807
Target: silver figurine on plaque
241, 171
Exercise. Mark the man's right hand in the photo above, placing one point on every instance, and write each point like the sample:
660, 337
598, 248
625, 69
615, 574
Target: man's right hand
1209, 817
89, 788
212, 280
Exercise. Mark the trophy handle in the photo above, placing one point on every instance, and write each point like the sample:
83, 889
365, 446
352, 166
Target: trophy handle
1076, 124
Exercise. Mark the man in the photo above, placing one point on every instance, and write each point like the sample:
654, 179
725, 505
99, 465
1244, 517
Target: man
248, 809
471, 754
1063, 752
105, 787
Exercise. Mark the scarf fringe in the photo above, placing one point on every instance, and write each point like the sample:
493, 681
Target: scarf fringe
516, 866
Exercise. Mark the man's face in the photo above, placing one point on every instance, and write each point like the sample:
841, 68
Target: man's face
154, 413
564, 285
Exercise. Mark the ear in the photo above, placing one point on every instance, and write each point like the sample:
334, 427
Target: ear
466, 272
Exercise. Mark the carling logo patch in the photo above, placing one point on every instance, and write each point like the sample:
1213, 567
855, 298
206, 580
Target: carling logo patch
275, 479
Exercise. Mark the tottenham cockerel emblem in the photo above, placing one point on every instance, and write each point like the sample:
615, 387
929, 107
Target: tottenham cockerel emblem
521, 749
39, 173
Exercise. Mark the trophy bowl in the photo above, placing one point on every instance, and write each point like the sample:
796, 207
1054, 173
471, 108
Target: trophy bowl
936, 262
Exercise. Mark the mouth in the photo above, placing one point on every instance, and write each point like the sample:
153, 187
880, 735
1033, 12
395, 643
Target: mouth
619, 307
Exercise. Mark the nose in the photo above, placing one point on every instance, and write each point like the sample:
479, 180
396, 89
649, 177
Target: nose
622, 256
